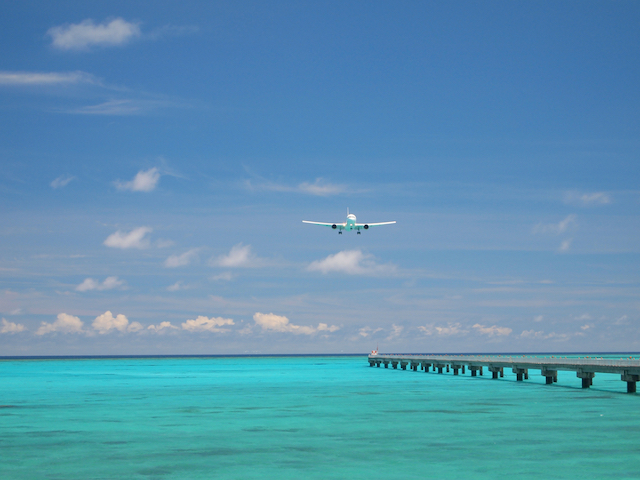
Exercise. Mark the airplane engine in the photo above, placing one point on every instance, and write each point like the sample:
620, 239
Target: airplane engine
366, 227
334, 226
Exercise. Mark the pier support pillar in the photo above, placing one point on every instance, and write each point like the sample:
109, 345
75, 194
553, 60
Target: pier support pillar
631, 381
371, 363
386, 363
473, 372
427, 367
494, 375
463, 369
520, 373
403, 365
474, 369
549, 375
447, 368
394, 365
378, 364
495, 371
587, 378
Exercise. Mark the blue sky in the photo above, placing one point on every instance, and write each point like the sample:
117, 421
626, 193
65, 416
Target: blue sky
158, 159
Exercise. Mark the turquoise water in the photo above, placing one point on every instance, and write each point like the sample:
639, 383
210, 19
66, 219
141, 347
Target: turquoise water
306, 418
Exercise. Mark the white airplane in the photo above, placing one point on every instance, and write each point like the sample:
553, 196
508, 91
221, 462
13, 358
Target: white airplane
350, 224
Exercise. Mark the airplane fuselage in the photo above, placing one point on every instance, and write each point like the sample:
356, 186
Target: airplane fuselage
351, 222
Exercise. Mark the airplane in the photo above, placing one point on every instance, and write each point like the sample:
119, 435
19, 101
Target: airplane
350, 224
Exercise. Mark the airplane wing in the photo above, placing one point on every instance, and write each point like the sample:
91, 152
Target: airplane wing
367, 225
335, 226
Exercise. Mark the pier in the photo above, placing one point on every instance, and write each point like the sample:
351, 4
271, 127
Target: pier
585, 367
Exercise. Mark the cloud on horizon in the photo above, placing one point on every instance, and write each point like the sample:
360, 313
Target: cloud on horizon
106, 322
162, 327
11, 327
493, 330
450, 330
279, 323
64, 323
204, 324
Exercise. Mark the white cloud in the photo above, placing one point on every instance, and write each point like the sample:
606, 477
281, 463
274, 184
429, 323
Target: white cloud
239, 256
565, 245
123, 106
586, 199
62, 181
449, 330
11, 327
623, 320
396, 330
323, 327
532, 334
144, 181
81, 36
176, 286
553, 335
162, 327
539, 318
134, 239
64, 324
557, 228
182, 259
106, 322
368, 331
493, 330
352, 262
46, 79
204, 324
91, 284
318, 188
279, 323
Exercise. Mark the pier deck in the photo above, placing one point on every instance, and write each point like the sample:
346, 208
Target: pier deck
585, 367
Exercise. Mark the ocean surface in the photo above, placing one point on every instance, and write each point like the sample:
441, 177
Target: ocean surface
306, 418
